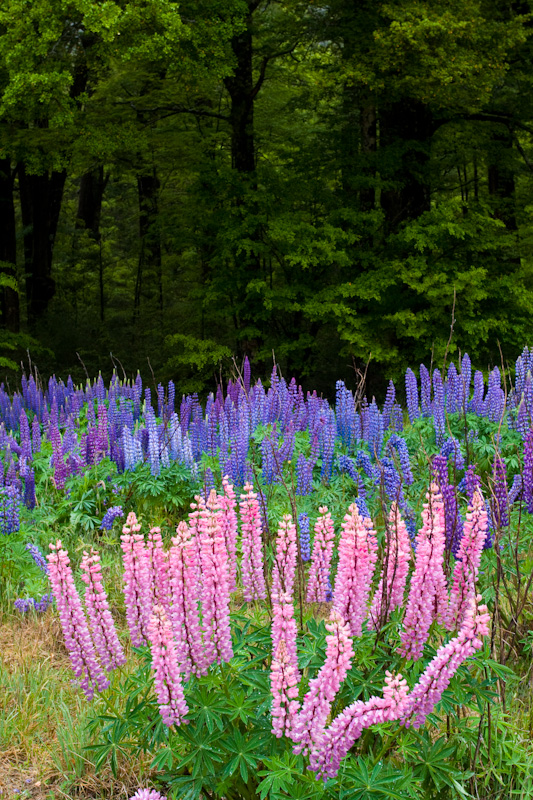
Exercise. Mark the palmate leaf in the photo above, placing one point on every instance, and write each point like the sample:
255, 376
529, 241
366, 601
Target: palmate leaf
432, 764
280, 775
246, 752
203, 754
207, 709
359, 782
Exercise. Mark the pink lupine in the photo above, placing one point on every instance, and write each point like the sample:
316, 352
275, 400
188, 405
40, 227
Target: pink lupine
316, 706
101, 622
437, 675
391, 595
428, 597
284, 681
147, 794
336, 740
158, 569
167, 676
252, 569
468, 559
76, 633
285, 559
215, 593
228, 523
137, 585
357, 560
318, 581
184, 613
284, 628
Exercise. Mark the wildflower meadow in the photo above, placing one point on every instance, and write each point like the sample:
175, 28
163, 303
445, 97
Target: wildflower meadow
264, 594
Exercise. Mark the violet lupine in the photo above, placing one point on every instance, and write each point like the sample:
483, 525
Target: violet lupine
500, 501
428, 593
528, 471
284, 681
336, 740
252, 570
468, 559
285, 560
316, 706
437, 675
76, 632
215, 593
137, 589
167, 676
184, 592
305, 537
101, 622
390, 595
357, 559
284, 628
228, 522
318, 582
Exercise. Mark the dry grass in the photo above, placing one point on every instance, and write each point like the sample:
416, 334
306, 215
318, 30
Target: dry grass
43, 720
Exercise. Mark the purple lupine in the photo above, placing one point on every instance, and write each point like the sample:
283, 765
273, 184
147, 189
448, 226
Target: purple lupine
304, 475
9, 510
425, 391
305, 537
439, 418
528, 471
465, 379
477, 402
388, 405
29, 498
36, 435
500, 498
398, 444
38, 557
76, 633
101, 622
110, 516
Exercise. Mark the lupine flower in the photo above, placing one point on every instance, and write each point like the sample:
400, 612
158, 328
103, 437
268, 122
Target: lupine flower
228, 523
439, 419
357, 558
157, 559
284, 628
76, 633
318, 580
9, 510
285, 560
38, 557
305, 537
528, 471
215, 593
137, 591
147, 794
110, 516
284, 687
167, 677
336, 741
24, 604
437, 675
389, 596
252, 570
184, 593
411, 391
428, 594
500, 502
468, 560
102, 626
316, 706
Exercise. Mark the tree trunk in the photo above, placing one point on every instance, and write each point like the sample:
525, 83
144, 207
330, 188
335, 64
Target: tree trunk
501, 179
92, 186
40, 201
9, 299
406, 129
149, 269
240, 87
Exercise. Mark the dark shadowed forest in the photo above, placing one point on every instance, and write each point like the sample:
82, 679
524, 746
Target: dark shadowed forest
181, 183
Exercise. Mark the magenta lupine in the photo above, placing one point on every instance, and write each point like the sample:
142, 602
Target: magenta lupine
357, 559
228, 524
215, 592
437, 675
167, 676
137, 588
316, 706
284, 628
74, 625
468, 559
101, 622
336, 741
318, 583
252, 569
284, 569
184, 592
147, 794
428, 598
397, 557
158, 569
284, 681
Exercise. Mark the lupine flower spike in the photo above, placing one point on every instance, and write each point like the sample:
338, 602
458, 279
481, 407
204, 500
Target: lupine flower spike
215, 592
318, 581
468, 559
285, 564
102, 625
253, 579
78, 639
391, 595
284, 686
167, 680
